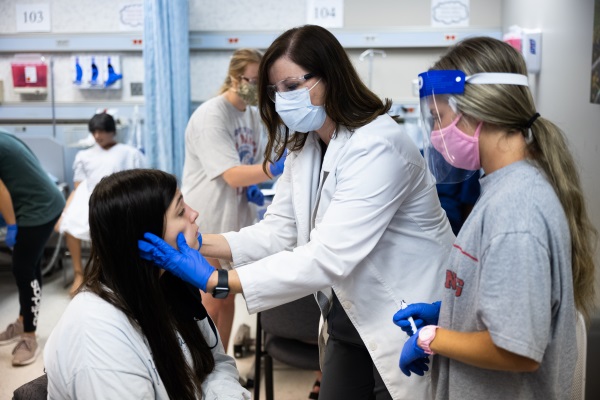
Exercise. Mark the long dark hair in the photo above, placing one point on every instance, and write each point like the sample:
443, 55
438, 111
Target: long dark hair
348, 101
510, 107
124, 206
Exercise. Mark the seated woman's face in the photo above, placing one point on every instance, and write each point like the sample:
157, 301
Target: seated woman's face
181, 218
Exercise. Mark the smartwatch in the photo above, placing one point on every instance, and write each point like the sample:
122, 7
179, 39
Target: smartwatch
221, 291
426, 336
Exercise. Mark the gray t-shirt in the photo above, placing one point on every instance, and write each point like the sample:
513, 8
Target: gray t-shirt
217, 138
510, 273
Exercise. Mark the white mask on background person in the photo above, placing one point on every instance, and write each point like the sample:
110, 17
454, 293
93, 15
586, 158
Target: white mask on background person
297, 112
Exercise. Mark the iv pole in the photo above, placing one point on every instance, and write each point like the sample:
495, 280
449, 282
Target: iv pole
371, 53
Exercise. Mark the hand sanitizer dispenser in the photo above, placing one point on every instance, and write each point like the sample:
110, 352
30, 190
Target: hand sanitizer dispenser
529, 43
532, 50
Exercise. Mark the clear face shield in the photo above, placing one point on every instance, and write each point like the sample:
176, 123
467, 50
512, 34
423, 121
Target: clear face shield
451, 154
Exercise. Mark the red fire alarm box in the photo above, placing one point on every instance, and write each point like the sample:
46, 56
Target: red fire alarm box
30, 74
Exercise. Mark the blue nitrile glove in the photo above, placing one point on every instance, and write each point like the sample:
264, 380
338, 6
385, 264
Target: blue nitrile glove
422, 314
11, 235
254, 195
413, 358
185, 263
277, 168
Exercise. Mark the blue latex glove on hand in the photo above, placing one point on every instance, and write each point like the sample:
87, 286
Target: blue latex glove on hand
185, 263
413, 358
277, 168
254, 195
422, 314
11, 235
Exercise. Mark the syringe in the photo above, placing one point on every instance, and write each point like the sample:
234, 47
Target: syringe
403, 305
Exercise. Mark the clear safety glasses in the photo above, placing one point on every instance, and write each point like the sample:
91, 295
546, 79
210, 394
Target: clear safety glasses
253, 81
288, 85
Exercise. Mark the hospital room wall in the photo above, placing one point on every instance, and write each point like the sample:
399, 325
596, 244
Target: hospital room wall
562, 89
73, 17
70, 18
391, 76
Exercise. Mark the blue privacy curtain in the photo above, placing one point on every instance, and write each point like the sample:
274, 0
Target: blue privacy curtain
167, 83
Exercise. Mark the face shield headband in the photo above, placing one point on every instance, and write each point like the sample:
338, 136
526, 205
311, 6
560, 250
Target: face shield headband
449, 152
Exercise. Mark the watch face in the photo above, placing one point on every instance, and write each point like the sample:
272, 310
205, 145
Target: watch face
426, 333
220, 293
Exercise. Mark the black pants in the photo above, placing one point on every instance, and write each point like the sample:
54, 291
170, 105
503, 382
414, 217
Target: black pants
26, 264
349, 373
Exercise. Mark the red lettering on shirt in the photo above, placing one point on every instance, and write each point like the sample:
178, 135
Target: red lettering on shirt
454, 282
465, 253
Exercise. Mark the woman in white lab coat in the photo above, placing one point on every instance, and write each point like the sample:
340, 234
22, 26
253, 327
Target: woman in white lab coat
355, 219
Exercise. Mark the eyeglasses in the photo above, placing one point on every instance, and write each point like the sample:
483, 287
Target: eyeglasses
253, 81
286, 86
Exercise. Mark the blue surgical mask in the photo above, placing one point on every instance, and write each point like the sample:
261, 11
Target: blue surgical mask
298, 113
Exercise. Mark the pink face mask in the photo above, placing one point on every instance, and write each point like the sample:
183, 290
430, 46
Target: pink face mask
459, 149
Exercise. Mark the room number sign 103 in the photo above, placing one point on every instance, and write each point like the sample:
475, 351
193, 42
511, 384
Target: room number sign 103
33, 18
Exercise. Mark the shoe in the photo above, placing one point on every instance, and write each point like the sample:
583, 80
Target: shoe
315, 392
12, 333
26, 351
249, 378
242, 341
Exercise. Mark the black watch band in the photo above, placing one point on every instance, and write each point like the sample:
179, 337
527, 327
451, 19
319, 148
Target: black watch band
221, 291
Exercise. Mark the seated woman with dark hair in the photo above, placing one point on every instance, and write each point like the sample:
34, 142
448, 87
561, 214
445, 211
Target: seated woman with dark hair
134, 331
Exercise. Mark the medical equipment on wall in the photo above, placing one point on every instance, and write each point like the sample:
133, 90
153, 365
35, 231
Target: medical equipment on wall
135, 131
370, 53
529, 43
97, 71
29, 73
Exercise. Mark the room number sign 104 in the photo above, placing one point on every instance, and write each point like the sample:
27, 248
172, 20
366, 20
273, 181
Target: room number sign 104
326, 13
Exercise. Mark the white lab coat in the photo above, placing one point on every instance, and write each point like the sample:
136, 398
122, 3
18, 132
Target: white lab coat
373, 231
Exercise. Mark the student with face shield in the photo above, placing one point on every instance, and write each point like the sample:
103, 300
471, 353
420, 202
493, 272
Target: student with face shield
355, 219
223, 155
522, 264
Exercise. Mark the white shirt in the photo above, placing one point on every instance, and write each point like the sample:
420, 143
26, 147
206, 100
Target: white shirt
95, 163
95, 353
373, 231
89, 167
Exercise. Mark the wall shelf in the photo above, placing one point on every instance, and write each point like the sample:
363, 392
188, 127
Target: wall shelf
48, 43
230, 40
350, 39
65, 113
30, 90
